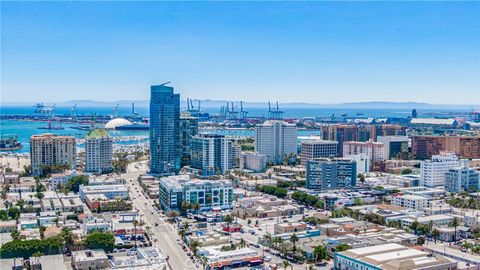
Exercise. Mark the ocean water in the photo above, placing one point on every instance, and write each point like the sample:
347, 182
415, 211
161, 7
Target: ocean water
253, 112
25, 129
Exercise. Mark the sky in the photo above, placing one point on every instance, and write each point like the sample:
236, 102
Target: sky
315, 52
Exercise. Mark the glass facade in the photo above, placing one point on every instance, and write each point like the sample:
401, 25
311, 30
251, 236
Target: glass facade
164, 130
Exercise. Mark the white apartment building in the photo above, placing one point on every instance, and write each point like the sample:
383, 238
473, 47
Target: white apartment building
439, 220
363, 162
49, 149
110, 191
410, 201
276, 139
61, 178
212, 153
462, 178
374, 150
253, 161
312, 149
432, 172
98, 152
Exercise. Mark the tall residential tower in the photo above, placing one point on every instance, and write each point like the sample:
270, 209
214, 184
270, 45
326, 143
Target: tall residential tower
164, 130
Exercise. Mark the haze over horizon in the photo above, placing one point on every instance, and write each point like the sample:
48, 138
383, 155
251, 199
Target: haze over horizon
312, 52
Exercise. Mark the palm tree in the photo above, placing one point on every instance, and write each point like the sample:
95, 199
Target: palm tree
194, 246
278, 241
135, 224
242, 243
414, 226
294, 240
267, 238
195, 207
203, 260
455, 223
228, 219
182, 233
286, 264
430, 226
435, 234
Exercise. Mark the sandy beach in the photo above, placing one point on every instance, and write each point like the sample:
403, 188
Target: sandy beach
16, 163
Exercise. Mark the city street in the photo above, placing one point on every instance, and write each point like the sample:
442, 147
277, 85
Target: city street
166, 237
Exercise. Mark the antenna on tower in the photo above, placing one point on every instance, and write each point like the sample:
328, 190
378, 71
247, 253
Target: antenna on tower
163, 84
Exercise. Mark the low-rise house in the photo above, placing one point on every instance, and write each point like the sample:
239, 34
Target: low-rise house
72, 204
47, 262
92, 225
47, 218
8, 226
291, 227
89, 259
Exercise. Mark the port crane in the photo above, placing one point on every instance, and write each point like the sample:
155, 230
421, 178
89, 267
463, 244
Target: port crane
115, 111
274, 113
73, 111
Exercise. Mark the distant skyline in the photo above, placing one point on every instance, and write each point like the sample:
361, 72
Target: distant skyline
313, 52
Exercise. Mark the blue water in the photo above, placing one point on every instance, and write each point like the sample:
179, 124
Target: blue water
25, 129
253, 112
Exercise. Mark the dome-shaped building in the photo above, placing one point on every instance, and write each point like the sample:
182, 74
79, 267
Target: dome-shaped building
117, 122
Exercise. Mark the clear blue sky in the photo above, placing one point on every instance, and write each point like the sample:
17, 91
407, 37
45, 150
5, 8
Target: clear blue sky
322, 52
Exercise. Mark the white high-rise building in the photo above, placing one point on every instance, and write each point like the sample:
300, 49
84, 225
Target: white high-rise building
212, 154
276, 139
50, 150
432, 172
98, 152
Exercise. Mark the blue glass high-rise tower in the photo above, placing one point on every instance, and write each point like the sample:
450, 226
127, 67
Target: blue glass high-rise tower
164, 130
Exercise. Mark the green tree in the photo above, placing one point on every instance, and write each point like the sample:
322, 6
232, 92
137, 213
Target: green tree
228, 219
286, 264
3, 215
39, 195
320, 253
342, 247
361, 178
455, 223
100, 240
294, 240
14, 212
194, 246
74, 183
435, 234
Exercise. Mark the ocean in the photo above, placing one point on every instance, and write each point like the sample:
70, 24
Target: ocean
253, 112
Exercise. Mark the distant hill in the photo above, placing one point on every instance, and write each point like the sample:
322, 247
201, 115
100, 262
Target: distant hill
209, 103
387, 105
